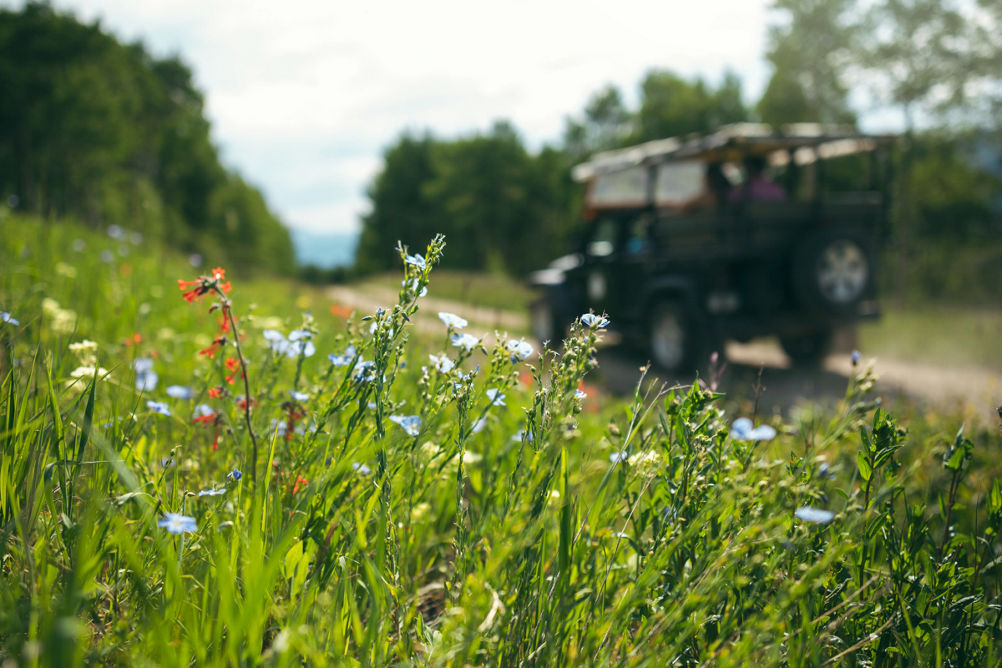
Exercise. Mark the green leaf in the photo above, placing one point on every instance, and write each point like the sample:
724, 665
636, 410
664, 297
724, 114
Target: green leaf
995, 498
865, 470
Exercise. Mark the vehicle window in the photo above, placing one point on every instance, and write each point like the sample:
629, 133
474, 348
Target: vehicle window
678, 182
638, 235
603, 242
627, 187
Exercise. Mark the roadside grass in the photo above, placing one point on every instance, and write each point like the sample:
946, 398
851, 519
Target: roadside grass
495, 291
940, 334
382, 506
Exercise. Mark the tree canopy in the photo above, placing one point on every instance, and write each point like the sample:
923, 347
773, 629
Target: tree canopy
104, 132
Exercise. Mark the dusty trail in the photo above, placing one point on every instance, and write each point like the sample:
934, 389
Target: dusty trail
975, 392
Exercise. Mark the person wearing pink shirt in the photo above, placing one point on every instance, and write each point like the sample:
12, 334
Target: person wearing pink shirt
757, 186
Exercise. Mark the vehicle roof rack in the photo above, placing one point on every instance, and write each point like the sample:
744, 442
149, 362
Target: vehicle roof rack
803, 142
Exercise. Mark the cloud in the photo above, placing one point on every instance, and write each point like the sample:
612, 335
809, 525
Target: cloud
311, 92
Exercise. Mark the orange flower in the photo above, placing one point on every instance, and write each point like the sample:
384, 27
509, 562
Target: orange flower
341, 311
215, 392
219, 274
211, 351
300, 483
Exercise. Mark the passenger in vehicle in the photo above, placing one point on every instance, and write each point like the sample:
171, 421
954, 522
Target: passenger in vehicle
716, 189
757, 186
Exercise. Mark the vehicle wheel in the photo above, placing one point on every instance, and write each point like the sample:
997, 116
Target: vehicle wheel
671, 337
807, 349
546, 325
833, 272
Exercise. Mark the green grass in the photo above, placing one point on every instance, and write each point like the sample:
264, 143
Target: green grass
938, 334
640, 532
479, 289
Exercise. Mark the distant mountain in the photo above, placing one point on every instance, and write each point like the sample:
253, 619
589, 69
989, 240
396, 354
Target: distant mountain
324, 249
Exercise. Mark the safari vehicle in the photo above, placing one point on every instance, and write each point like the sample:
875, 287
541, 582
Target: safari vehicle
680, 266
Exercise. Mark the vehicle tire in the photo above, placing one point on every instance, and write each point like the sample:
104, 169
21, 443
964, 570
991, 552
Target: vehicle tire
833, 271
807, 349
672, 338
546, 325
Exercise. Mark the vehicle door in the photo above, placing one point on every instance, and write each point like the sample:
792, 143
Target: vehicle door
615, 258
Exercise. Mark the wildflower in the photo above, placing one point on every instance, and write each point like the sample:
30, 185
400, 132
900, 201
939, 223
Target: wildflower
594, 321
580, 394
212, 492
166, 461
365, 372
177, 523
299, 396
416, 260
195, 260
742, 430
235, 475
466, 341
414, 285
115, 232
146, 377
86, 351
617, 457
203, 285
301, 343
451, 320
107, 256
496, 397
825, 471
855, 357
215, 392
244, 403
204, 413
478, 425
442, 363
523, 435
9, 319
410, 423
343, 359
276, 341
520, 350
214, 348
158, 407
340, 311
301, 482
815, 515
361, 469
79, 245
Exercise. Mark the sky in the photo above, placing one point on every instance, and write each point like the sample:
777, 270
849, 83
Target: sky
304, 96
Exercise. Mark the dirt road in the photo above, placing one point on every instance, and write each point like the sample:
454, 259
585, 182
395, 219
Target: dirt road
974, 392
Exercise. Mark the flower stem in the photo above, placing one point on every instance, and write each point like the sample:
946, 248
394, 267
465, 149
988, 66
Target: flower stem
247, 392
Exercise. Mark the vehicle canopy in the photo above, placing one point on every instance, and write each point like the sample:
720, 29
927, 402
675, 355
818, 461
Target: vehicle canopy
667, 172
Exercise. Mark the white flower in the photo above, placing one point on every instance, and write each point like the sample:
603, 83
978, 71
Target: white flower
442, 363
816, 515
594, 321
410, 423
742, 430
466, 341
520, 349
452, 320
496, 397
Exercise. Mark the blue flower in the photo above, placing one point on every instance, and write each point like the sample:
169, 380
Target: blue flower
816, 515
520, 350
580, 394
180, 392
299, 396
410, 423
202, 410
479, 425
300, 343
523, 435
452, 320
276, 341
345, 359
212, 492
742, 430
365, 372
146, 377
855, 357
177, 523
825, 471
158, 407
361, 469
442, 363
496, 397
9, 319
416, 260
594, 321
235, 475
466, 341
414, 285
618, 457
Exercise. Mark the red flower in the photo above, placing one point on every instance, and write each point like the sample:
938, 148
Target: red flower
301, 482
211, 351
215, 392
232, 363
219, 274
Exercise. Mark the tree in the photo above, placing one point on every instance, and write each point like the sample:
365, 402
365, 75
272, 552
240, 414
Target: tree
605, 124
671, 106
810, 51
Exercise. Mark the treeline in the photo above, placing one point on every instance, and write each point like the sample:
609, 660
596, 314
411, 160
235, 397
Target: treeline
934, 62
104, 132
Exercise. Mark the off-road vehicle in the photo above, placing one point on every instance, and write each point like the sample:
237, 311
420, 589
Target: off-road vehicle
682, 258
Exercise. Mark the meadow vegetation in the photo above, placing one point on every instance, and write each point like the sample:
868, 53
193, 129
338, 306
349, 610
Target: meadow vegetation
230, 473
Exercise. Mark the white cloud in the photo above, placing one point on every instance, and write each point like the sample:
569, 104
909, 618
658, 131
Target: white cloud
311, 90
